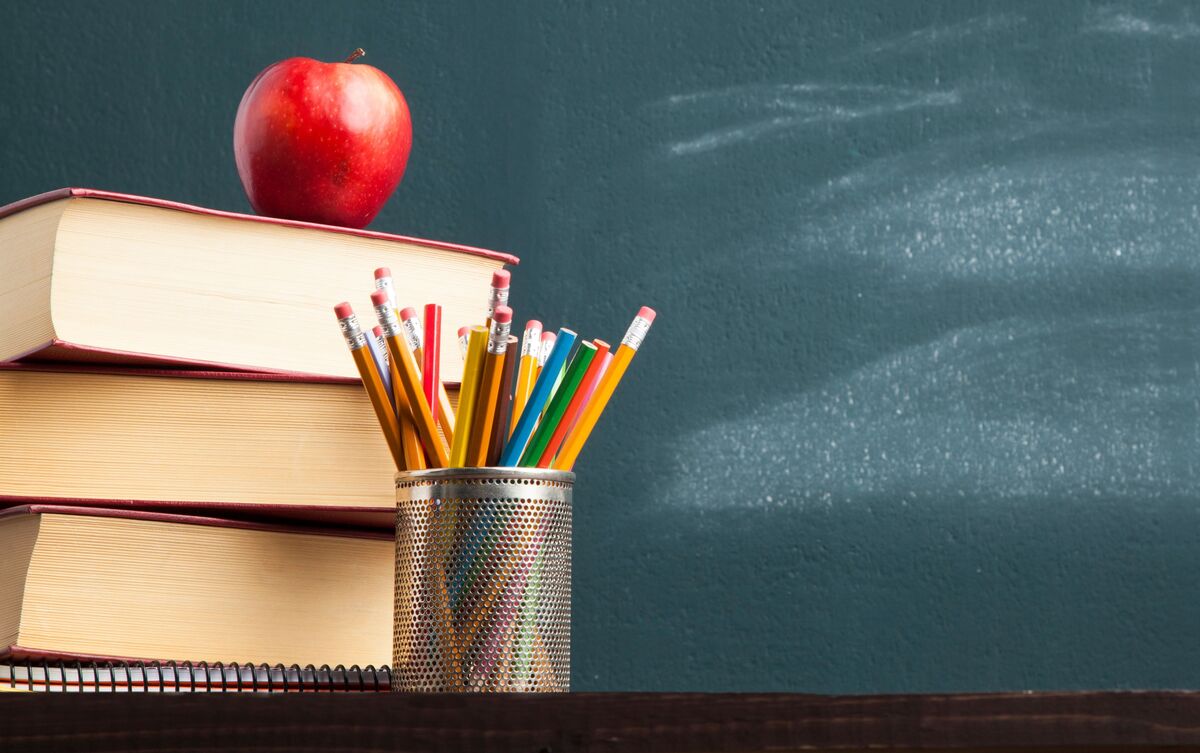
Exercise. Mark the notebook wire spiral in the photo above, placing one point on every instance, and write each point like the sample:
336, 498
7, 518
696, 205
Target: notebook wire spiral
189, 677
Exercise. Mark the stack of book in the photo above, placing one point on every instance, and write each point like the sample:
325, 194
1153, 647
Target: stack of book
190, 470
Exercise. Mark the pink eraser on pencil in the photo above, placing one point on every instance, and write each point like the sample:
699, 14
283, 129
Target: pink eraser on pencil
501, 278
379, 297
547, 335
377, 331
502, 314
464, 331
646, 313
408, 312
382, 272
343, 310
533, 324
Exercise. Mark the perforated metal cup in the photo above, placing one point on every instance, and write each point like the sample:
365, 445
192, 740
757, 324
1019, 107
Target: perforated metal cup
483, 580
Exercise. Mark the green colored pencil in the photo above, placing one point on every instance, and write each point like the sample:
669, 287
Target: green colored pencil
558, 404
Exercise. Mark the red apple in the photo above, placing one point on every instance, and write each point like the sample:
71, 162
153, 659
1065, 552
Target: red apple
322, 142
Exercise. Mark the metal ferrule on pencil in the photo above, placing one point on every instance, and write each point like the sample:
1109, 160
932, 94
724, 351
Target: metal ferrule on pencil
498, 339
636, 333
532, 342
412, 330
499, 297
352, 332
388, 320
385, 284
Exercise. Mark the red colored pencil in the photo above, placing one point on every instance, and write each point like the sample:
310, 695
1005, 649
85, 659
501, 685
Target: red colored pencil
433, 355
584, 391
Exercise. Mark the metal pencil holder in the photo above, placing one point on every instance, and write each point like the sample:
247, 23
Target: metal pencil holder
483, 580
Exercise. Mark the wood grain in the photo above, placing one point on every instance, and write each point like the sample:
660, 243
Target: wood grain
617, 723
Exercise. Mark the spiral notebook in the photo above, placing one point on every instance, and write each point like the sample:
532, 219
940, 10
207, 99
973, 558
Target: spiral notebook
188, 677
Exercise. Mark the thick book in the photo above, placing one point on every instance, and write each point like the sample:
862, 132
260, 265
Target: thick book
234, 444
89, 275
86, 584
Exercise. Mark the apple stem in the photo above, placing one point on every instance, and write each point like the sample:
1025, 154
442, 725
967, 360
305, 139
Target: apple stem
356, 55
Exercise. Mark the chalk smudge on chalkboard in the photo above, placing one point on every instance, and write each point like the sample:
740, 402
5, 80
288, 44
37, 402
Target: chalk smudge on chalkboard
768, 109
1061, 361
1012, 409
1020, 222
1115, 20
922, 40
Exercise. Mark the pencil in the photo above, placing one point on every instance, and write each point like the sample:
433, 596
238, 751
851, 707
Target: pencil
604, 391
410, 441
537, 399
378, 350
558, 403
432, 356
467, 395
383, 281
590, 389
464, 335
410, 381
498, 295
413, 331
372, 382
504, 402
582, 392
489, 387
531, 345
543, 353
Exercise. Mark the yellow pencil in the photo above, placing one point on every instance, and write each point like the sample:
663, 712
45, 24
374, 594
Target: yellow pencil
531, 345
498, 295
410, 441
543, 352
372, 381
489, 386
410, 381
472, 369
412, 330
464, 336
612, 376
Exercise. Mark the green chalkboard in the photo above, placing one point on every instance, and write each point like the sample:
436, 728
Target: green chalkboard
920, 409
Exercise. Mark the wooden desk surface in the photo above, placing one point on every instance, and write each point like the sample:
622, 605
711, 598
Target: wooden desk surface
610, 722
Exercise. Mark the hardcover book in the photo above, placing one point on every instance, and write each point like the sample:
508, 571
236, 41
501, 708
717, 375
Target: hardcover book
223, 443
89, 584
89, 275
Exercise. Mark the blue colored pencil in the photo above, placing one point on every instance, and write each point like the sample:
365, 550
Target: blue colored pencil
537, 398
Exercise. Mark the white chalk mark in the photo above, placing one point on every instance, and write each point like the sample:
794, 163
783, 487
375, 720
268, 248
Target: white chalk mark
759, 94
1111, 20
923, 40
1014, 409
817, 114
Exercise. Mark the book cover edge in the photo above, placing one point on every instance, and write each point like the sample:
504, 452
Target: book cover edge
97, 193
42, 508
156, 367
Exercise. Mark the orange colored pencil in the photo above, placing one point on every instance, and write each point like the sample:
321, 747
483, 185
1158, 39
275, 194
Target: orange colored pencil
595, 368
372, 381
578, 435
410, 382
410, 441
